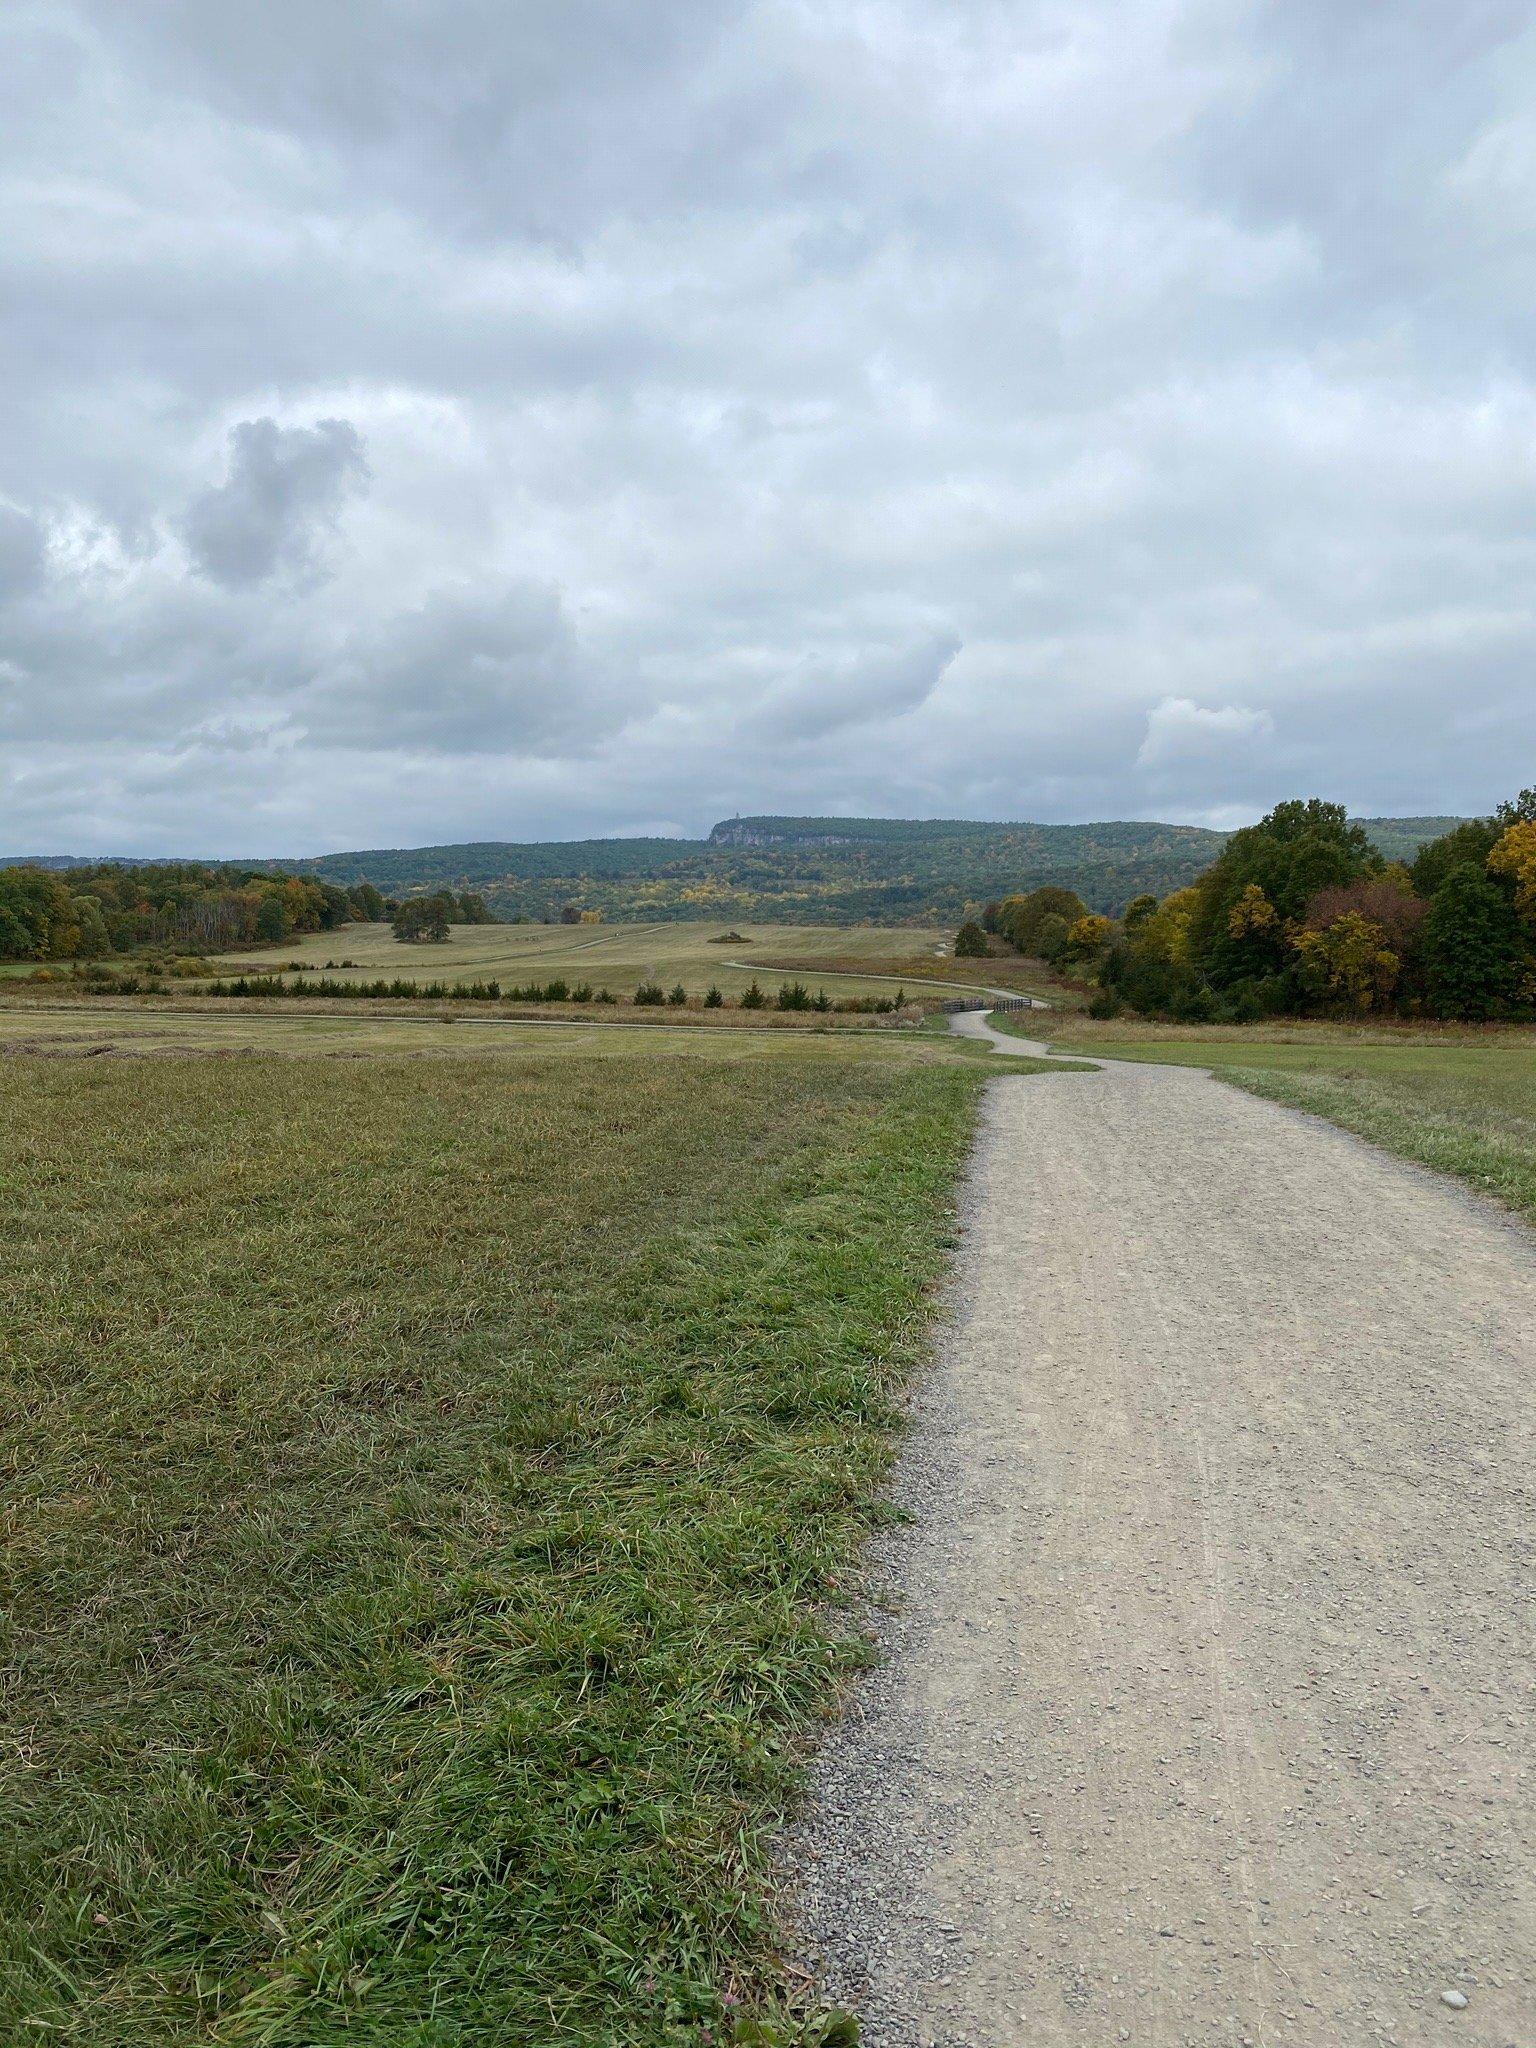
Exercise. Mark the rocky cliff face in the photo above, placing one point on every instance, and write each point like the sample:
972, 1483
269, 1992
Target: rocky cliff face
742, 832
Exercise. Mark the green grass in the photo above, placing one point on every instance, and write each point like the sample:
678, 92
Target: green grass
428, 1487
1462, 1101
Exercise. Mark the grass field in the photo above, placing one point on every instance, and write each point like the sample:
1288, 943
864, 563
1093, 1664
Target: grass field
428, 1484
618, 955
1462, 1101
175, 1027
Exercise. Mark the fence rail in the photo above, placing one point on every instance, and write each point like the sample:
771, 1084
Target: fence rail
959, 1003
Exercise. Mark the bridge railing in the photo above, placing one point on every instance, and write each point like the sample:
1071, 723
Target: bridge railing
954, 1007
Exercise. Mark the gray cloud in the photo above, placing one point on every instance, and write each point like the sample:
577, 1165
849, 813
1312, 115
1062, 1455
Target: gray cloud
983, 407
470, 670
284, 485
870, 686
23, 552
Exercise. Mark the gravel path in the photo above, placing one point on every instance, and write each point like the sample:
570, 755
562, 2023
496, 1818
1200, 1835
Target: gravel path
1207, 1713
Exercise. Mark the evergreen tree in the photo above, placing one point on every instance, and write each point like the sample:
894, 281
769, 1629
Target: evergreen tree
1472, 949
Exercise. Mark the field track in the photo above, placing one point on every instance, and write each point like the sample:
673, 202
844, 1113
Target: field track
1208, 1715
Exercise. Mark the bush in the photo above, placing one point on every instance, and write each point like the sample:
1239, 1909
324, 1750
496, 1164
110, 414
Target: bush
1105, 1004
713, 1000
754, 999
793, 995
970, 941
1194, 1005
649, 994
677, 996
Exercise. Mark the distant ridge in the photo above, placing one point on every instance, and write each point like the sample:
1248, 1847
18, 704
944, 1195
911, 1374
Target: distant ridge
807, 870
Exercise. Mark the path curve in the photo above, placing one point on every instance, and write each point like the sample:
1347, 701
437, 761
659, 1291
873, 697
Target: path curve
810, 972
978, 1024
1207, 1716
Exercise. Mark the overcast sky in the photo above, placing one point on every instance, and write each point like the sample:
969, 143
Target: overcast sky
444, 419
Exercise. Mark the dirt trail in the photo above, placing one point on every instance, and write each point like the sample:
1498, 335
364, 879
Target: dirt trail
1208, 1713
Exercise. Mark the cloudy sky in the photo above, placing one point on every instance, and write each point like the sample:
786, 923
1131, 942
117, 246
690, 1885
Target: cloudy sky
438, 419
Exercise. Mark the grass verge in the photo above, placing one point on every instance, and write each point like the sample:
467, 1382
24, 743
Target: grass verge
427, 1486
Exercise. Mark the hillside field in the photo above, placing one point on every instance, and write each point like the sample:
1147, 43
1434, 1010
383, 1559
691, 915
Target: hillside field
620, 956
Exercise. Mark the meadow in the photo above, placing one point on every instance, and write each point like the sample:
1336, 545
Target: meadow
429, 1484
619, 956
1458, 1099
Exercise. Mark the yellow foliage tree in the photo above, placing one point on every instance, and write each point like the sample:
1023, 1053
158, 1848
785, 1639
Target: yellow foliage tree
1087, 935
1349, 966
1252, 915
1515, 858
1165, 933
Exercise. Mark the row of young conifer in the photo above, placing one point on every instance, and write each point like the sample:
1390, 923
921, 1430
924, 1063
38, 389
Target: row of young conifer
791, 995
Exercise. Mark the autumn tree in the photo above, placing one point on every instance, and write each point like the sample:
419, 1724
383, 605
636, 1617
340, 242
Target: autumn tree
1087, 936
1347, 966
1513, 860
1294, 851
1024, 918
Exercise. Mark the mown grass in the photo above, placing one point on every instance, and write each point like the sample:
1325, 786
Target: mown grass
1461, 1101
427, 1489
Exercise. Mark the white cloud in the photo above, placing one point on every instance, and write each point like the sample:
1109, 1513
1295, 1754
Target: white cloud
1181, 733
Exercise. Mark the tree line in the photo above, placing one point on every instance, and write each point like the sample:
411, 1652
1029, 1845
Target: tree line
88, 913
1300, 915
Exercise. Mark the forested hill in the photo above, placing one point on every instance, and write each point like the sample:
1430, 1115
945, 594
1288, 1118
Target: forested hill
809, 870
812, 870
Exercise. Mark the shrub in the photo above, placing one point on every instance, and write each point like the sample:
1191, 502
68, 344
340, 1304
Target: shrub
677, 995
793, 995
1194, 1005
649, 994
753, 998
1106, 1003
970, 941
713, 1000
